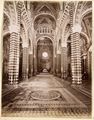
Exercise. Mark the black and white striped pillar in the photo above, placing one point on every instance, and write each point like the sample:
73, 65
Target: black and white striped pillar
75, 50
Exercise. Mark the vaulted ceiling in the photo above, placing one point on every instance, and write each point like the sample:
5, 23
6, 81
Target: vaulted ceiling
45, 13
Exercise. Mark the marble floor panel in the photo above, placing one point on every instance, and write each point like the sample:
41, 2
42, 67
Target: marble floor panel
44, 95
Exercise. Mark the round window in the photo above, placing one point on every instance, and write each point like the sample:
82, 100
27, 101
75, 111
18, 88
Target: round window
45, 54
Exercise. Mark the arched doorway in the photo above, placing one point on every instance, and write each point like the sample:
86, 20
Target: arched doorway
45, 55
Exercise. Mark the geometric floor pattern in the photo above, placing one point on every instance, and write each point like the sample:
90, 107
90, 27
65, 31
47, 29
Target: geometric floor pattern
44, 95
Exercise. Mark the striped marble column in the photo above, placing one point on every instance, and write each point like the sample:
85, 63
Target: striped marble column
77, 78
35, 60
58, 64
30, 64
75, 50
25, 63
54, 60
54, 64
64, 62
19, 6
12, 68
89, 65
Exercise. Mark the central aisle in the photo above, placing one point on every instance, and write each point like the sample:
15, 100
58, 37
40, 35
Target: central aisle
45, 95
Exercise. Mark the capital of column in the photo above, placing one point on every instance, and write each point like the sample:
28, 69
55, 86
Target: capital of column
76, 28
14, 28
34, 56
25, 45
58, 52
55, 55
28, 5
30, 52
91, 48
64, 44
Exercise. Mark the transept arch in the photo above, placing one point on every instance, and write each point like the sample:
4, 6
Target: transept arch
43, 36
64, 25
24, 34
86, 12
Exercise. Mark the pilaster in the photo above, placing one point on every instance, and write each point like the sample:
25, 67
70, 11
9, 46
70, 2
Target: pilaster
30, 64
64, 62
35, 60
58, 64
25, 63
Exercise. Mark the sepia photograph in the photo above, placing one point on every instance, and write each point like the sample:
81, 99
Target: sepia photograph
47, 59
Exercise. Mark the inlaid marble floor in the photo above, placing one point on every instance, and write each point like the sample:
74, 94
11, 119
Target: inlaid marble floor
44, 95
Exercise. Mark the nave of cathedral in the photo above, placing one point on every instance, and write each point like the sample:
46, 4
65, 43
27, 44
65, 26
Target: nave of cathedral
47, 59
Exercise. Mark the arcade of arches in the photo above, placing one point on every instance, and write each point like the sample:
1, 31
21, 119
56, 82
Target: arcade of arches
43, 39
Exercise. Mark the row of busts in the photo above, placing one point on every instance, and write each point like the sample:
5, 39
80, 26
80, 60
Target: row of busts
44, 30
